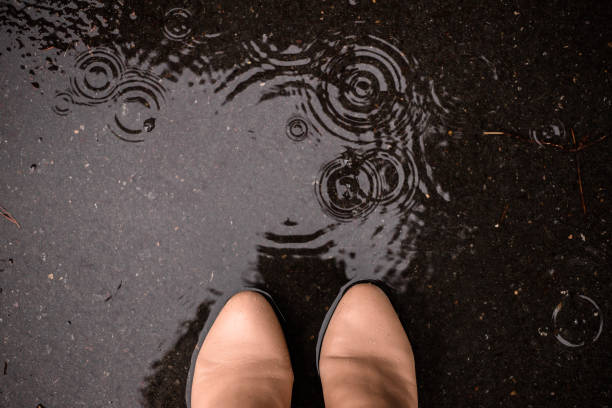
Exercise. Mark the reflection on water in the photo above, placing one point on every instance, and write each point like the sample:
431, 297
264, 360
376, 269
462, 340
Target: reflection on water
360, 91
165, 387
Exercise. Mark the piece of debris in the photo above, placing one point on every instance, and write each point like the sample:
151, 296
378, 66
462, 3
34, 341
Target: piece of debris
584, 143
113, 294
579, 173
9, 217
503, 216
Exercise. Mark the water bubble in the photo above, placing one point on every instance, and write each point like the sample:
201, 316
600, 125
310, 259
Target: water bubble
577, 320
553, 133
97, 75
138, 99
363, 90
297, 128
62, 104
348, 187
177, 24
398, 176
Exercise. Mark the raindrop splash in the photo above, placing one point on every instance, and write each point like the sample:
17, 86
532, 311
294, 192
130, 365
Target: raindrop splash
297, 128
62, 104
97, 74
363, 90
546, 134
354, 184
177, 24
577, 320
398, 176
138, 99
348, 187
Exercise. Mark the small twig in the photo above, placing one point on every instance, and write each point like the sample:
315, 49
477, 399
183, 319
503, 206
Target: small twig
575, 148
109, 297
503, 216
582, 146
504, 213
9, 217
579, 173
526, 139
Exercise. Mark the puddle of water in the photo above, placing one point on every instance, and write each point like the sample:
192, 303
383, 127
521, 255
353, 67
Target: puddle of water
131, 98
138, 101
97, 76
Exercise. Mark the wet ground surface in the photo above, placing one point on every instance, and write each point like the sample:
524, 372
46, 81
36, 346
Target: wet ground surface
159, 155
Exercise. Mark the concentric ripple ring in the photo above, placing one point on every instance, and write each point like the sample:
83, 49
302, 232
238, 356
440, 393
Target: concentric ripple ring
97, 75
348, 188
363, 90
138, 100
177, 24
398, 175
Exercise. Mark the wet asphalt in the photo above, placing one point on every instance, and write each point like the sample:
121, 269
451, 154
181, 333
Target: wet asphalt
156, 156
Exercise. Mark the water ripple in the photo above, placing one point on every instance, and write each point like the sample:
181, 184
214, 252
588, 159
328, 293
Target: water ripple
286, 55
264, 60
577, 320
139, 98
360, 89
364, 89
101, 79
546, 134
63, 102
297, 128
398, 174
97, 74
354, 184
348, 187
177, 24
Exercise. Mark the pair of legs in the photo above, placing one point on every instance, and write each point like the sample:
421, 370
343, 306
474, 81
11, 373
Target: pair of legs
365, 358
